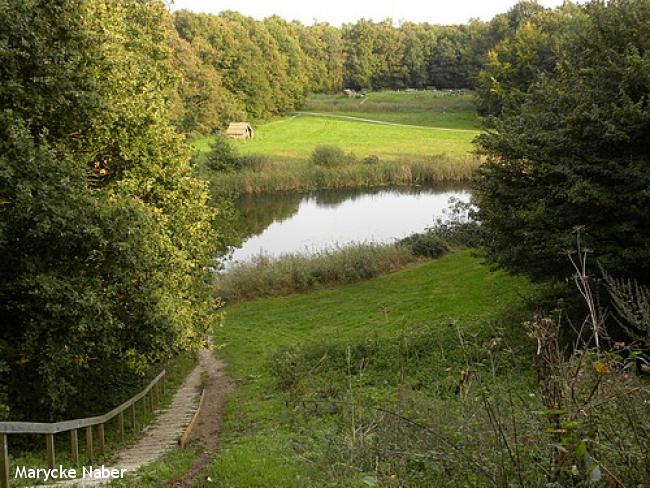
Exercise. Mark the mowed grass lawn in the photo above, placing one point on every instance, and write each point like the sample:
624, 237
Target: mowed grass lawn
295, 137
262, 442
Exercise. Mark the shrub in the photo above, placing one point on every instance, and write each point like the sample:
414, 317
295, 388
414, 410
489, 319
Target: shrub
426, 244
370, 159
222, 156
296, 272
328, 155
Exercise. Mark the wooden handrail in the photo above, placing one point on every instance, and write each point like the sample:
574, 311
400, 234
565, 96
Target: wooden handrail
66, 425
49, 429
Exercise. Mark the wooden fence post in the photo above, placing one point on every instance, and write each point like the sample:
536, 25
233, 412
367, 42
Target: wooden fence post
89, 444
100, 434
120, 424
162, 382
133, 421
74, 446
51, 457
4, 461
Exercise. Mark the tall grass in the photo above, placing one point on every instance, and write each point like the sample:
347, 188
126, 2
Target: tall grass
295, 272
296, 175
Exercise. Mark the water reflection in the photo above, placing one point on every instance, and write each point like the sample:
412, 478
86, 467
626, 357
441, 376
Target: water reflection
280, 223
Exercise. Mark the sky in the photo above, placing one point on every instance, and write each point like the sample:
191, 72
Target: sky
338, 11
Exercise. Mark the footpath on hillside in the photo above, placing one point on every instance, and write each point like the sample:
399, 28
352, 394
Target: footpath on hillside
165, 431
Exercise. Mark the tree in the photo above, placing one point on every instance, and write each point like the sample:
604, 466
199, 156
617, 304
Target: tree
106, 237
202, 105
528, 49
574, 152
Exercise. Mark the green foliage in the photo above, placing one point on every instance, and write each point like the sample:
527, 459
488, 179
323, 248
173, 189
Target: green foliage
425, 244
295, 272
222, 156
573, 152
230, 63
106, 237
328, 155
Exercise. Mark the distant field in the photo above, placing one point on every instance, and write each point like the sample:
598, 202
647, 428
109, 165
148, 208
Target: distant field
296, 137
430, 108
419, 137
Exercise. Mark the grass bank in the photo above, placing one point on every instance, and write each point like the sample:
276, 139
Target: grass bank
303, 362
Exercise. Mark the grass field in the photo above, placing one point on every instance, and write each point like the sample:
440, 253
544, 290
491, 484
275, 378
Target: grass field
419, 137
426, 108
297, 136
283, 349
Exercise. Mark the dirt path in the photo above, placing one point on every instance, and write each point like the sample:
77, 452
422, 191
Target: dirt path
384, 122
163, 434
205, 435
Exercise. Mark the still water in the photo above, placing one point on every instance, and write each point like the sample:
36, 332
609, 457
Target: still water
282, 223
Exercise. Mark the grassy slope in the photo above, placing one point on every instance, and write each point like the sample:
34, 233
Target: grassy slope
428, 108
258, 434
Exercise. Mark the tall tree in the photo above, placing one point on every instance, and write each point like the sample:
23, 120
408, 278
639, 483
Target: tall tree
106, 237
574, 151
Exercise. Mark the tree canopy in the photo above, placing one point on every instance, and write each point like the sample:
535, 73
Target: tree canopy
106, 237
570, 147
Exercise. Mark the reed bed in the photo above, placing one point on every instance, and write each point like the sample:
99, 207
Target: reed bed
296, 272
295, 175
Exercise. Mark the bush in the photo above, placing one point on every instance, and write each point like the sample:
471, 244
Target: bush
328, 155
222, 156
426, 244
370, 159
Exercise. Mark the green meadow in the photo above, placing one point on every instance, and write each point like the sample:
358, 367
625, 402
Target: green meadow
287, 352
414, 136
296, 137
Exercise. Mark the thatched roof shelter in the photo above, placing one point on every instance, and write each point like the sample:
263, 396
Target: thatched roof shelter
240, 130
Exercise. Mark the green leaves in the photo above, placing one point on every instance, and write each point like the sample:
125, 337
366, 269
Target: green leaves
570, 148
104, 279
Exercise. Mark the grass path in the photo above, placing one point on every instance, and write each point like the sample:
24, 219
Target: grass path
383, 122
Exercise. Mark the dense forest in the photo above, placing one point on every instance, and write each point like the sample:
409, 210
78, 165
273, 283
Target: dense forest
234, 66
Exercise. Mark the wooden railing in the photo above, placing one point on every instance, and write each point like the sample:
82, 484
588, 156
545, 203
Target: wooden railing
151, 396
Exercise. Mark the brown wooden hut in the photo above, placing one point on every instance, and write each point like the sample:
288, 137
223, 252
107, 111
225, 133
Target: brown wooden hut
240, 130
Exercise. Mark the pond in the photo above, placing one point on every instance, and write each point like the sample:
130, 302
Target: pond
282, 223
